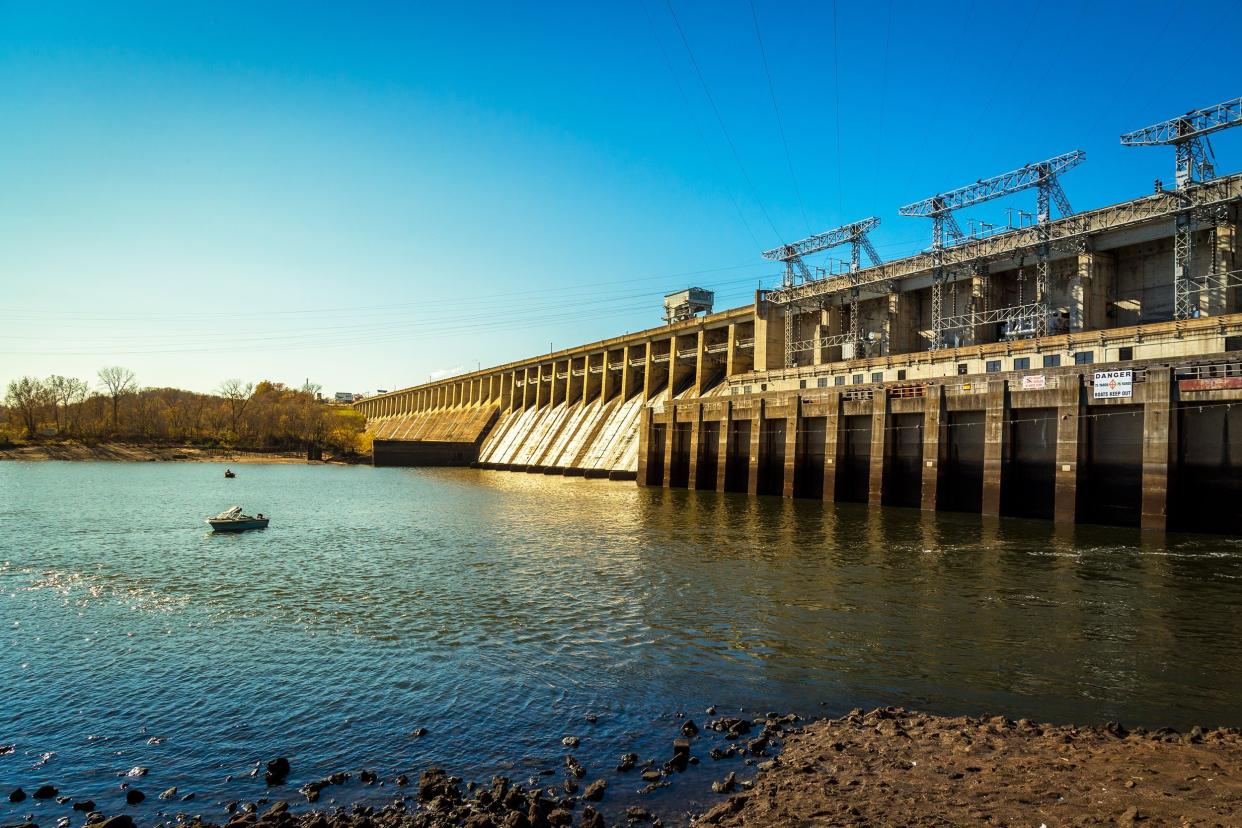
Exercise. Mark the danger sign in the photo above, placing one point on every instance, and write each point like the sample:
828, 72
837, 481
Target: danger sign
1109, 384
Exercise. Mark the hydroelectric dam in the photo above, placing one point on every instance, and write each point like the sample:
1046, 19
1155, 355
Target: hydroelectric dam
1077, 367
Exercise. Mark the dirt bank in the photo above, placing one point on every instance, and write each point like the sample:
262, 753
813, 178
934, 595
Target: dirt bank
894, 767
126, 451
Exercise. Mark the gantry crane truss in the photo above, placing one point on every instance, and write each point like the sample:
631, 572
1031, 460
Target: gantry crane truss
796, 272
1195, 164
939, 208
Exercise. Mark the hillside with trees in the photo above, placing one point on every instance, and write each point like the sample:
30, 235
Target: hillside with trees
267, 416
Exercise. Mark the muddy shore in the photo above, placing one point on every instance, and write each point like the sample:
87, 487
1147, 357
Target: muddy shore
151, 453
894, 767
886, 767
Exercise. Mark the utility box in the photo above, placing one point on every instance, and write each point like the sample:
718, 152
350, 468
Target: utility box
686, 304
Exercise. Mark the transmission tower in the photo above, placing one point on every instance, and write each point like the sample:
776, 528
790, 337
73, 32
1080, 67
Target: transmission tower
1194, 164
855, 235
939, 208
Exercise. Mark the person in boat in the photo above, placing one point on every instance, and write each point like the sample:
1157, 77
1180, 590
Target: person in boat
260, 516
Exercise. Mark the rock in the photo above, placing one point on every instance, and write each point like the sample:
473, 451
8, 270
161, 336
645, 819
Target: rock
726, 785
592, 718
652, 776
595, 791
137, 771
169, 794
434, 783
63, 822
418, 732
84, 805
689, 728
402, 780
560, 816
17, 795
118, 821
756, 746
45, 792
133, 796
63, 800
730, 806
711, 711
367, 777
681, 747
570, 741
188, 797
590, 818
636, 813
574, 767
277, 771
278, 808
1130, 816
628, 761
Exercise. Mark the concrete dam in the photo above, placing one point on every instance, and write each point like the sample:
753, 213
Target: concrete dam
1085, 368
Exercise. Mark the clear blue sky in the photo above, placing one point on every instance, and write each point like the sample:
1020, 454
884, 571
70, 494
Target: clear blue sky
367, 195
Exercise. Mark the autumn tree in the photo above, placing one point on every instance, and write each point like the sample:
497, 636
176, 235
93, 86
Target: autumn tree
237, 394
28, 396
117, 381
64, 392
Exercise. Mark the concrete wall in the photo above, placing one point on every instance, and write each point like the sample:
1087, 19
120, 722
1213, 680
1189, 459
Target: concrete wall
1164, 457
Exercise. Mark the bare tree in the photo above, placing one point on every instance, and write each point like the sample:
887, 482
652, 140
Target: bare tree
64, 391
28, 396
238, 395
117, 381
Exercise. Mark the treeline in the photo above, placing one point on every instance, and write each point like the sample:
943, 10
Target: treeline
268, 416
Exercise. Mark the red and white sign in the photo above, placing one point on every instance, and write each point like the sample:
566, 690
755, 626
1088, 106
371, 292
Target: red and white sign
1034, 382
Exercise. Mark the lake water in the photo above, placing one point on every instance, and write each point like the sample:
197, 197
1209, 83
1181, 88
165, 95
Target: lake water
497, 610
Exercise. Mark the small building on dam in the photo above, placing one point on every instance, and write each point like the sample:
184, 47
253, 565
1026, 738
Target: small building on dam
1085, 367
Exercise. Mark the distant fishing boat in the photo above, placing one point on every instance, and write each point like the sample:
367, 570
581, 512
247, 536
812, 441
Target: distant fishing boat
232, 520
229, 473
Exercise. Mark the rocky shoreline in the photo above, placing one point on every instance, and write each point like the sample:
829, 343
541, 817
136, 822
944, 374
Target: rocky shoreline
886, 767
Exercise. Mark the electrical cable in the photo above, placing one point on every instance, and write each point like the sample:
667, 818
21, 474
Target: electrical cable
780, 122
720, 120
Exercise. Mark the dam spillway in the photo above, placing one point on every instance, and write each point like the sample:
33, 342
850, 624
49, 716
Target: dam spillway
1124, 410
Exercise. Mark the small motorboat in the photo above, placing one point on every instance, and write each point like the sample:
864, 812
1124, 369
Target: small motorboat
232, 520
229, 473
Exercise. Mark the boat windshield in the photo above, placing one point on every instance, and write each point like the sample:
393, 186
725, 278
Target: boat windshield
232, 513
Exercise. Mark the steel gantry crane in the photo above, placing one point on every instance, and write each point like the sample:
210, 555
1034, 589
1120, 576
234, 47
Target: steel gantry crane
855, 235
939, 208
1195, 163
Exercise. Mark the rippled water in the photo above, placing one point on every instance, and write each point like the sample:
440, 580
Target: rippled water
498, 609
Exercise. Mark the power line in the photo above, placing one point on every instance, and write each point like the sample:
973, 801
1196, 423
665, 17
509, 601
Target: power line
720, 120
685, 100
879, 144
836, 84
390, 307
780, 122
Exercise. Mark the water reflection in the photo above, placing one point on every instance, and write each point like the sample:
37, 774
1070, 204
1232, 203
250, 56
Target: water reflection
497, 607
